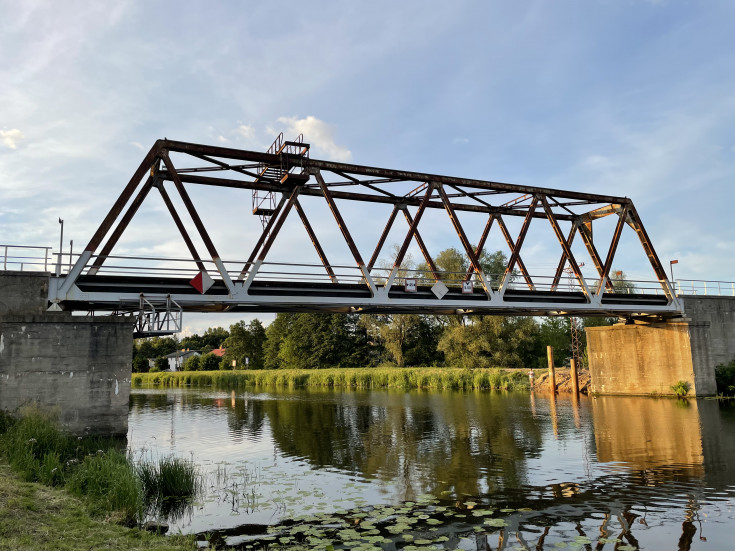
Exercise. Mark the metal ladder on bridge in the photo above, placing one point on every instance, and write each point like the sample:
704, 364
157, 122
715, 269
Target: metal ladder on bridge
264, 202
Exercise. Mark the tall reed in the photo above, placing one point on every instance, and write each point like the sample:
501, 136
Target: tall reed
366, 378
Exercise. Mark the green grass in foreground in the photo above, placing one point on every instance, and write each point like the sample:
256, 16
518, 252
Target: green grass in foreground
365, 378
97, 470
38, 517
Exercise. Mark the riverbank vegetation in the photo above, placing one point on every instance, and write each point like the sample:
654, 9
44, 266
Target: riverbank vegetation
376, 378
38, 517
96, 470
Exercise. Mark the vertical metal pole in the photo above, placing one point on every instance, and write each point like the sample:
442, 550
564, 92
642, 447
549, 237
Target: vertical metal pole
61, 247
552, 372
575, 378
5, 260
45, 259
71, 251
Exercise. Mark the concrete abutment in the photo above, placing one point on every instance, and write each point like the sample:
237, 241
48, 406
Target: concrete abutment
78, 366
648, 358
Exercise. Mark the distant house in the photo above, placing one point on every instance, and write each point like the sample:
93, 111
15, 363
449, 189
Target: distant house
219, 352
178, 358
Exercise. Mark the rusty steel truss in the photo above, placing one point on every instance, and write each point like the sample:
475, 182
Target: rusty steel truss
285, 175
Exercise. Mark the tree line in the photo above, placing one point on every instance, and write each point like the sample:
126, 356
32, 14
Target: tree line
321, 340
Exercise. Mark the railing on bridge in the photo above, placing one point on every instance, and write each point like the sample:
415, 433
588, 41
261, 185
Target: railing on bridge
25, 258
685, 287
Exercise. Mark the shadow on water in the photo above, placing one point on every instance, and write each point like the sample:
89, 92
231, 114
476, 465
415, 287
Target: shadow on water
451, 469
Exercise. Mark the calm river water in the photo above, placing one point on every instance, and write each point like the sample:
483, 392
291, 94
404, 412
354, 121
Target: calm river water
483, 470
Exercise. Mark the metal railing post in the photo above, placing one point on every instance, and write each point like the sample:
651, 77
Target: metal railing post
5, 260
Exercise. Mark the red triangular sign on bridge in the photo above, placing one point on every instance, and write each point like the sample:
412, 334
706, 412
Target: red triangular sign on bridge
202, 282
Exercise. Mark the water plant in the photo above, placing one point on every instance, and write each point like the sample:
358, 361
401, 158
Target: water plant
681, 388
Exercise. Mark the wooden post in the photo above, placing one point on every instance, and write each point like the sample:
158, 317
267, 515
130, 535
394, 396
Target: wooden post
575, 377
552, 373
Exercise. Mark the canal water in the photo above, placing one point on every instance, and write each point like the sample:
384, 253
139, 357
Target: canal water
421, 470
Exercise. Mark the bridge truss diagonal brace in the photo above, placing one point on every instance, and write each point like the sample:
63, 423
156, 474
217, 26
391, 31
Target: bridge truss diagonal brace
516, 250
383, 237
567, 249
180, 225
605, 272
512, 247
407, 240
191, 209
635, 222
120, 228
268, 237
315, 242
64, 287
422, 245
480, 245
367, 278
465, 242
263, 236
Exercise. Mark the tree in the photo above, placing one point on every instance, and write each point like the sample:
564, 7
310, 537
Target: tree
492, 341
192, 363
556, 332
209, 362
311, 341
245, 346
212, 338
408, 339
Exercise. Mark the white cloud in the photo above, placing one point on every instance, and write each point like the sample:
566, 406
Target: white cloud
317, 133
246, 131
138, 145
11, 137
222, 139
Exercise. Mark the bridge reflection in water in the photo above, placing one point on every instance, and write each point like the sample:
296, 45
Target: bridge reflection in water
652, 473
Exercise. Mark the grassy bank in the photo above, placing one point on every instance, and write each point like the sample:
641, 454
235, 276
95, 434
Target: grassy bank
364, 378
34, 516
96, 471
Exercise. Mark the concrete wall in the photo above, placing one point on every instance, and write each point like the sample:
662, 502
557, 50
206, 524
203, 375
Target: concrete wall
23, 293
80, 366
719, 312
649, 358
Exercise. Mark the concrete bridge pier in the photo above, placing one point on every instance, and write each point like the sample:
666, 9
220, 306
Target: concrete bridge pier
78, 366
648, 358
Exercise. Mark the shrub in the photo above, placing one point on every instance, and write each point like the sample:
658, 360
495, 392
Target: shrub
725, 378
681, 388
192, 364
209, 362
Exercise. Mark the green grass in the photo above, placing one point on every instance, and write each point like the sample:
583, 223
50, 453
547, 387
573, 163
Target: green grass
364, 378
97, 470
39, 518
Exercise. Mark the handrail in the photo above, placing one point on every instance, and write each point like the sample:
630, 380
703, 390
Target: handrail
12, 260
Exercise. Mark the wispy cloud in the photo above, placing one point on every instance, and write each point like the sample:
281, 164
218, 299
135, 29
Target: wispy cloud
10, 138
319, 134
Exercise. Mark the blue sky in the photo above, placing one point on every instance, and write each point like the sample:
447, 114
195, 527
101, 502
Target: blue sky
633, 98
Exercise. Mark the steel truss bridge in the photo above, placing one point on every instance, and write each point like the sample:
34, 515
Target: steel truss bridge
278, 184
